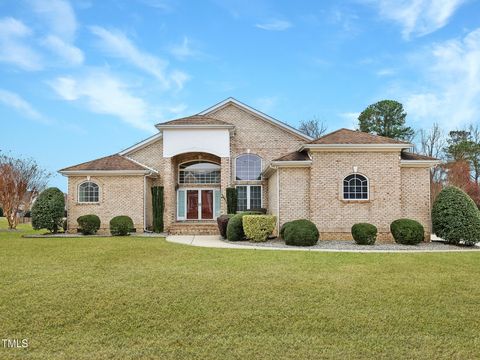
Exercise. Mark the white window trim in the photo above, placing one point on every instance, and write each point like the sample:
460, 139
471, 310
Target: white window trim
368, 187
207, 161
248, 194
235, 167
89, 202
199, 203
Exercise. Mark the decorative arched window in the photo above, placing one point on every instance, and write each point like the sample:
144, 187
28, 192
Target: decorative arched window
88, 192
248, 167
199, 172
355, 187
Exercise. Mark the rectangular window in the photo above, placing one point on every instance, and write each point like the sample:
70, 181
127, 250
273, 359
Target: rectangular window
249, 197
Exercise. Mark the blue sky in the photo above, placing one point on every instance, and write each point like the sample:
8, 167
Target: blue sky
85, 79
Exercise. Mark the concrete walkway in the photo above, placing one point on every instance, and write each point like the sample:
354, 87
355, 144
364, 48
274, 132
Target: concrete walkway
215, 241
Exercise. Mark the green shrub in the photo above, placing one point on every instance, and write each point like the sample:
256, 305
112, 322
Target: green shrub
222, 222
231, 200
455, 217
282, 229
300, 233
364, 233
47, 210
1, 212
235, 226
157, 208
257, 228
121, 225
89, 224
407, 231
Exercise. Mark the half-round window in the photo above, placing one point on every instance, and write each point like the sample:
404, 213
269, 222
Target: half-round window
88, 192
248, 167
355, 187
199, 172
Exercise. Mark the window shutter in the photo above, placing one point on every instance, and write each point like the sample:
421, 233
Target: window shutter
181, 204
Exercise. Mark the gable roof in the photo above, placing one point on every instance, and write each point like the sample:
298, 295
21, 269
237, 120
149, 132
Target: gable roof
263, 116
295, 156
406, 155
194, 120
114, 162
355, 137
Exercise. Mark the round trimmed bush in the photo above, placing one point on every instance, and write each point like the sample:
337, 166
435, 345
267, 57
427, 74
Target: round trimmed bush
455, 217
282, 229
121, 225
300, 233
235, 226
364, 233
47, 210
407, 231
89, 224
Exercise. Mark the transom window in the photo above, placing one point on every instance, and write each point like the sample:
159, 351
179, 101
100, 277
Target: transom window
248, 167
88, 192
199, 172
355, 187
249, 197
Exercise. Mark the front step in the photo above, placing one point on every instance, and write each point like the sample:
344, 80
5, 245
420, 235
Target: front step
193, 228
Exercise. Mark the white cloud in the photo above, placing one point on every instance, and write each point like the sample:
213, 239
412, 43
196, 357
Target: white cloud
13, 48
71, 54
385, 72
275, 25
116, 44
19, 104
417, 17
266, 103
183, 50
103, 93
350, 120
451, 72
59, 15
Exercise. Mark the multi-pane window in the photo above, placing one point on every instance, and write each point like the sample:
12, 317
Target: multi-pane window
88, 192
355, 187
248, 167
249, 197
199, 172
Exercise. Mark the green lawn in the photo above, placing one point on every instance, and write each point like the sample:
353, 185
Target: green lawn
144, 298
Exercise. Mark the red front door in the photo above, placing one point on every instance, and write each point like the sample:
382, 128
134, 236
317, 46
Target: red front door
192, 204
207, 204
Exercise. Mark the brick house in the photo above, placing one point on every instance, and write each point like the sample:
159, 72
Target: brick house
337, 180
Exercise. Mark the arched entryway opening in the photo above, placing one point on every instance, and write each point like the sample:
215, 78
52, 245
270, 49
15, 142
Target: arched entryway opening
198, 179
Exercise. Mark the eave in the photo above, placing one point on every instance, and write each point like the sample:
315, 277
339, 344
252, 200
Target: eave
419, 163
105, 172
355, 147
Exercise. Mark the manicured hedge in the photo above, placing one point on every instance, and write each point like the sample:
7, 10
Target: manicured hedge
257, 228
222, 222
364, 233
88, 224
157, 208
235, 226
47, 210
121, 225
407, 231
231, 200
300, 233
455, 217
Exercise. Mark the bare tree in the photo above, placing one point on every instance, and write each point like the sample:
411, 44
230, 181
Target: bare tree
20, 179
313, 127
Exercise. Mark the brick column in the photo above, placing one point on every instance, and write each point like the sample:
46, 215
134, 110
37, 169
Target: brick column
169, 192
225, 182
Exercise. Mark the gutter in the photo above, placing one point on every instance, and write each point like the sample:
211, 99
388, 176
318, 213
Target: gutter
419, 163
350, 147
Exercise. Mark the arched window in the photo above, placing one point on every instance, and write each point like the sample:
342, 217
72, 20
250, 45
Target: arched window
248, 167
88, 192
199, 172
355, 187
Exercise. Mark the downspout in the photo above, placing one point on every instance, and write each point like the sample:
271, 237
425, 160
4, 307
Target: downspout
278, 200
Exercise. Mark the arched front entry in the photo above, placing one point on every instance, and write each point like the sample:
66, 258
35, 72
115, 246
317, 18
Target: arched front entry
198, 193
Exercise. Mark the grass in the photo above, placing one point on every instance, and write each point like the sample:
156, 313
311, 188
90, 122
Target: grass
144, 298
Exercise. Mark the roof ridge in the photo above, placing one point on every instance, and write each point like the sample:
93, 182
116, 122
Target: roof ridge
86, 162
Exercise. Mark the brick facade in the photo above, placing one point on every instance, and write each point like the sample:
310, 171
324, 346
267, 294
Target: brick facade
312, 192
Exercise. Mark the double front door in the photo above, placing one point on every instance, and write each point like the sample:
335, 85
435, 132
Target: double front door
198, 204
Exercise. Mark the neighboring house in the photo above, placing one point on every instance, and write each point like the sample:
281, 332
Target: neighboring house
340, 179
